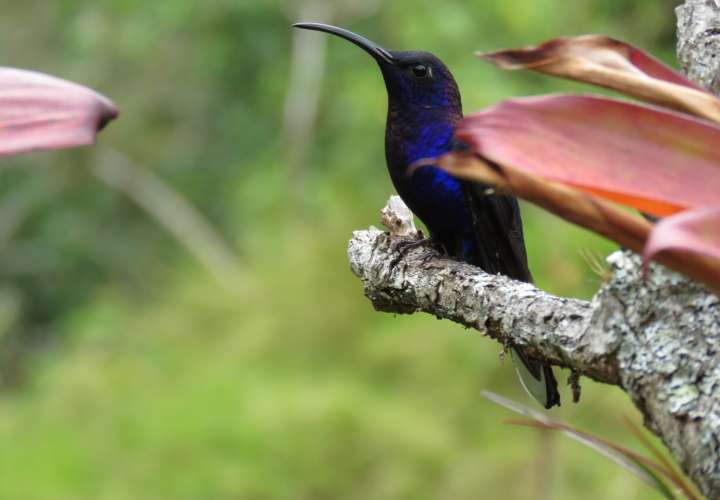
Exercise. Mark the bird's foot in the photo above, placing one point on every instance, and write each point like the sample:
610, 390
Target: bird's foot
404, 246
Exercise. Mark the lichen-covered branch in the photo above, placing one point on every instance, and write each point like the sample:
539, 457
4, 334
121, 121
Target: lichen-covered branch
657, 337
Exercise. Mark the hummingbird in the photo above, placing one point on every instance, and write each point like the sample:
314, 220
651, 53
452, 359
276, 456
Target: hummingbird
469, 220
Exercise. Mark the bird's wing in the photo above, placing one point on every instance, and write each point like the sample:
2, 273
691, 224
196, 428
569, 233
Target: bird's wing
498, 232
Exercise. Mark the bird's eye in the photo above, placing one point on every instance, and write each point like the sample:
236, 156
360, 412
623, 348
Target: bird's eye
421, 71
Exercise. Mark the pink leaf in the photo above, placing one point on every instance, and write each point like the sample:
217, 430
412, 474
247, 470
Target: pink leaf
654, 67
566, 56
695, 231
39, 112
603, 61
649, 158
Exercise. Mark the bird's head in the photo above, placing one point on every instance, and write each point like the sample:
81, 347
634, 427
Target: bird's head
415, 81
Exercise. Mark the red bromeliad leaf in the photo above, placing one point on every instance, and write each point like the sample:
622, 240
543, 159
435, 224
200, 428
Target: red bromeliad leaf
696, 231
655, 160
601, 50
586, 210
40, 112
603, 61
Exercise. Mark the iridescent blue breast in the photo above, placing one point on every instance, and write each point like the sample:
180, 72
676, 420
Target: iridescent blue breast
432, 194
437, 199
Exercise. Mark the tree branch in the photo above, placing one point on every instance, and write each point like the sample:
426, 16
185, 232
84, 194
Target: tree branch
658, 338
698, 33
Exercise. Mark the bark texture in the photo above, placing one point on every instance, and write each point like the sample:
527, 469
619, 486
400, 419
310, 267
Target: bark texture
698, 47
655, 336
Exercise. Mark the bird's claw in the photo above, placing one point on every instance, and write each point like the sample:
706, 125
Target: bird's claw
404, 246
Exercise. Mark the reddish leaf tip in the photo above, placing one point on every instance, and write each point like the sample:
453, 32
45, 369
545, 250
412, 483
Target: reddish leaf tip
695, 231
42, 112
108, 111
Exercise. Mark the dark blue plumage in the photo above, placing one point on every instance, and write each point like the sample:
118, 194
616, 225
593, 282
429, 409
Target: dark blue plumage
424, 108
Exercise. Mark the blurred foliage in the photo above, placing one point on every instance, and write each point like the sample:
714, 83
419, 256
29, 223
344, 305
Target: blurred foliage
128, 373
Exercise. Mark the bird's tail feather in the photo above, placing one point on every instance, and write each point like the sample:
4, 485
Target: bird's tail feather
537, 379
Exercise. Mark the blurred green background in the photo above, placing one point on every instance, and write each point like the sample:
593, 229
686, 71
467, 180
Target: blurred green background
177, 316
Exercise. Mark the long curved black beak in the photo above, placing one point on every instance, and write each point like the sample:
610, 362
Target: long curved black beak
381, 55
